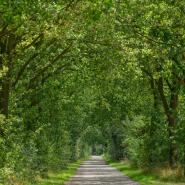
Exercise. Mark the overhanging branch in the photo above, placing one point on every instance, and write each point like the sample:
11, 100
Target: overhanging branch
50, 64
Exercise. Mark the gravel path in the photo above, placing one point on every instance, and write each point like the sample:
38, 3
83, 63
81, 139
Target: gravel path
95, 171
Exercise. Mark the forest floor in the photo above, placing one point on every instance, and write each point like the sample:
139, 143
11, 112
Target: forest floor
148, 178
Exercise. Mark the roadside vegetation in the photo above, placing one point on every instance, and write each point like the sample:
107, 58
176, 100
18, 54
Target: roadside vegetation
59, 177
159, 176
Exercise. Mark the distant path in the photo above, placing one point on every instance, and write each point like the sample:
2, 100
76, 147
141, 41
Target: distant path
96, 172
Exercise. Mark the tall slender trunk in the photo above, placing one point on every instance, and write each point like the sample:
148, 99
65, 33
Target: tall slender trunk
152, 126
155, 98
172, 126
4, 96
7, 46
184, 162
4, 84
171, 114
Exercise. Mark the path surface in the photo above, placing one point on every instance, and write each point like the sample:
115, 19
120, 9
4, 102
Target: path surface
95, 171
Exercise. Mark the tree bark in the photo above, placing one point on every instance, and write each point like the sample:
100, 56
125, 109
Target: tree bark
7, 46
170, 110
153, 125
4, 97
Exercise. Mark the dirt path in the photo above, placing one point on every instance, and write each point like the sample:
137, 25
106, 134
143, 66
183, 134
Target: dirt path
95, 171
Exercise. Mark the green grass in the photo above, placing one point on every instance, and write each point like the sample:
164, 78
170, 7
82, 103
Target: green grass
144, 178
58, 178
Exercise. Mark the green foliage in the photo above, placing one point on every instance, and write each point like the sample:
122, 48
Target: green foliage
78, 77
145, 177
61, 176
144, 148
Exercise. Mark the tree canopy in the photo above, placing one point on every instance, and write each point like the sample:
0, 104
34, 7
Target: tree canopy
82, 76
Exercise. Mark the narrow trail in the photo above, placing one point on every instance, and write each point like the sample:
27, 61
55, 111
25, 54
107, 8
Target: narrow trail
95, 171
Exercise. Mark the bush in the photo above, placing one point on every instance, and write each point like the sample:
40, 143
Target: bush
145, 148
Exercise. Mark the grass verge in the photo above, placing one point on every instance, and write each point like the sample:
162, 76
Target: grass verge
145, 178
58, 178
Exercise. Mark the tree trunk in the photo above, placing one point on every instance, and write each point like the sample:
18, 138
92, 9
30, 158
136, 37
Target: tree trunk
7, 46
184, 162
4, 84
171, 114
4, 97
172, 127
152, 127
